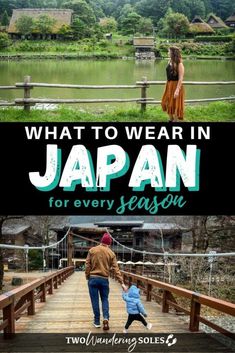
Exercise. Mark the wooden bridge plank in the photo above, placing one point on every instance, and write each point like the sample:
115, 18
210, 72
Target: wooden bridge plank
69, 310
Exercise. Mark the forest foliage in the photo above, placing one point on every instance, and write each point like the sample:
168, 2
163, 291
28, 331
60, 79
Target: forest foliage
89, 11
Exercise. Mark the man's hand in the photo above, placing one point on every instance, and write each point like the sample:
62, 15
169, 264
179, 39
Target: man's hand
124, 287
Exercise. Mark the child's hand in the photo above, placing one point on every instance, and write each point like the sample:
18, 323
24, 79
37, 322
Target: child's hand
145, 315
124, 287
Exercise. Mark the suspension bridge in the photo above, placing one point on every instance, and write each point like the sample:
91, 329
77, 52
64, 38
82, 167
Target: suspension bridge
59, 302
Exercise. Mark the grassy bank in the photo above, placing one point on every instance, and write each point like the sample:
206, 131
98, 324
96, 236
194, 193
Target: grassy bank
213, 112
83, 49
118, 48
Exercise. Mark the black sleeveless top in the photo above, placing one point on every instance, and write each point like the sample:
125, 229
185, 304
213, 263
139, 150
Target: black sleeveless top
170, 74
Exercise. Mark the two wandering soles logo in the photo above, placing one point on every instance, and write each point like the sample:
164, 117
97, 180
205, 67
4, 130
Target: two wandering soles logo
130, 342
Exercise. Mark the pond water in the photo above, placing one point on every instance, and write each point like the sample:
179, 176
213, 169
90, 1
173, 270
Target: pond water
112, 72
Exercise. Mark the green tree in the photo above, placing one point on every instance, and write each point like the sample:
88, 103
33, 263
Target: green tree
80, 29
8, 6
4, 40
35, 260
197, 8
82, 10
5, 19
44, 24
129, 24
126, 10
223, 8
109, 8
155, 9
98, 8
108, 24
182, 6
175, 25
145, 26
3, 220
66, 31
25, 25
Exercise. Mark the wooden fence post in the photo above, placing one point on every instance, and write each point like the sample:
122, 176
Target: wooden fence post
148, 294
27, 92
194, 314
165, 305
8, 314
31, 299
69, 250
56, 282
43, 289
51, 288
143, 94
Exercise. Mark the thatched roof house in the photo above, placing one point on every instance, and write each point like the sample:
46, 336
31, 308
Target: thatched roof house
198, 26
230, 22
144, 47
61, 17
144, 42
215, 22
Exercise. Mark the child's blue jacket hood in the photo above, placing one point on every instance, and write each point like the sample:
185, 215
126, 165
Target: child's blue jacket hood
134, 292
133, 302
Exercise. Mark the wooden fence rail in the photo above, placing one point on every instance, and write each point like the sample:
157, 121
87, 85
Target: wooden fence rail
167, 300
14, 303
27, 101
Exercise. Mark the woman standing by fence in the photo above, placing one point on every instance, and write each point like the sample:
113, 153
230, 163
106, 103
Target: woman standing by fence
173, 97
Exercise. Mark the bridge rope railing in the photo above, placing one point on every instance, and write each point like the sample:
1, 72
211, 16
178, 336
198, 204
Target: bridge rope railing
23, 299
132, 250
165, 293
173, 254
27, 101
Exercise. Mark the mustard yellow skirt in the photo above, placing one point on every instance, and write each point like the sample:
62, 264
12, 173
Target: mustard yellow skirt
173, 106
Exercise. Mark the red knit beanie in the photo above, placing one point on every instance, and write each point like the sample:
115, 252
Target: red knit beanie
106, 239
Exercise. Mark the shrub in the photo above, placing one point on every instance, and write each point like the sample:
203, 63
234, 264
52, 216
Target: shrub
189, 48
230, 47
4, 41
213, 39
35, 260
31, 46
103, 43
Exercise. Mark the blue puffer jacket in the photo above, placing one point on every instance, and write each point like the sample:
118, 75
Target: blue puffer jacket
133, 302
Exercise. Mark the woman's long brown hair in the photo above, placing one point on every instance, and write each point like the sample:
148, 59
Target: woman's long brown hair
176, 58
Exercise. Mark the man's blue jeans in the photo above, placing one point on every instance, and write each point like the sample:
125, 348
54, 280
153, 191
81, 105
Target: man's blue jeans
99, 287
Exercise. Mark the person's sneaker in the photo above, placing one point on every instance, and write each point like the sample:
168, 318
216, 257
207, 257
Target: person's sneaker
149, 326
96, 325
124, 331
106, 325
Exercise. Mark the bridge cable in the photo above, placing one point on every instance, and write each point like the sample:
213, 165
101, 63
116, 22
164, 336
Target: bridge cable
43, 247
172, 254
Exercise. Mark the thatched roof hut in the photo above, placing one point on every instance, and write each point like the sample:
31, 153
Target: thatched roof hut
61, 17
198, 26
230, 21
216, 22
144, 42
144, 47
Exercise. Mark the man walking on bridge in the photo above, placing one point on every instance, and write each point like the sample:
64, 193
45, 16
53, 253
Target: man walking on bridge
99, 262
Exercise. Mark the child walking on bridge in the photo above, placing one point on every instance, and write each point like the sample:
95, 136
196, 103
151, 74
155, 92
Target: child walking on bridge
135, 308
